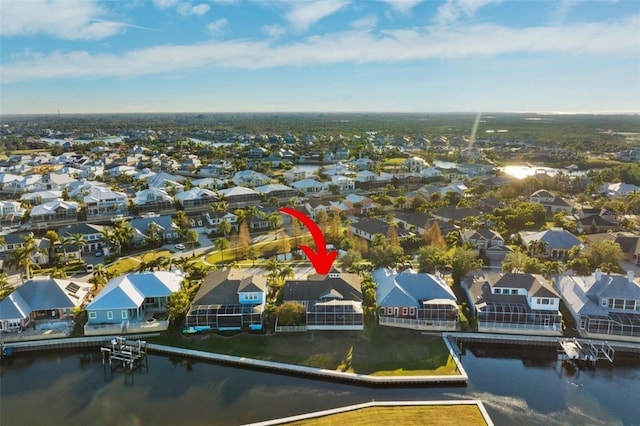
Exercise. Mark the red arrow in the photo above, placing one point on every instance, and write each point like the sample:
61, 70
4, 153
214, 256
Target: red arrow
322, 260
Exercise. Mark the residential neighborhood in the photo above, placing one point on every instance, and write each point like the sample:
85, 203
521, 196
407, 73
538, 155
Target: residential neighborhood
123, 231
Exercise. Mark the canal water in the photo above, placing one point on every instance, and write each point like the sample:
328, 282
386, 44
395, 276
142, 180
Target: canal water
523, 387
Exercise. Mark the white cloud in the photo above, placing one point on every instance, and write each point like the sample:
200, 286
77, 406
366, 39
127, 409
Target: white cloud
187, 9
368, 22
403, 6
218, 26
63, 19
606, 39
303, 14
563, 8
454, 10
273, 31
165, 4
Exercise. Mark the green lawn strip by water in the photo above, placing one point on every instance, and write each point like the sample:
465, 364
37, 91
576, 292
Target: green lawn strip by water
402, 415
374, 351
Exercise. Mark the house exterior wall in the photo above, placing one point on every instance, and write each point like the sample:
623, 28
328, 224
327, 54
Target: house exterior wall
256, 298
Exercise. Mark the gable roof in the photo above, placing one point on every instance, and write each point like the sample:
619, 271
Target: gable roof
221, 287
316, 286
377, 226
454, 213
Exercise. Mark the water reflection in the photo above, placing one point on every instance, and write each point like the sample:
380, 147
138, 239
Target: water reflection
517, 386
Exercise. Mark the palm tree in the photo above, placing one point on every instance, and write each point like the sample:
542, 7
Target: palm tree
275, 221
192, 238
537, 247
153, 233
78, 240
286, 272
221, 244
21, 257
224, 228
65, 242
99, 276
252, 253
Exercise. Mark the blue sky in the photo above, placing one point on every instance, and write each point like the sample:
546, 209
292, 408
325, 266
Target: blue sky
77, 56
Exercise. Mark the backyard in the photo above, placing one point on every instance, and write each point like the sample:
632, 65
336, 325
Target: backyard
375, 351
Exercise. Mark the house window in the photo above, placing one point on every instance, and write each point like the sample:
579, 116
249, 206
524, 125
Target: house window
496, 291
505, 291
93, 315
109, 315
123, 314
412, 311
545, 301
604, 302
513, 291
405, 312
630, 305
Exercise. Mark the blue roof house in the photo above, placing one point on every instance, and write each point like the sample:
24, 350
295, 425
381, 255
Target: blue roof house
131, 303
415, 300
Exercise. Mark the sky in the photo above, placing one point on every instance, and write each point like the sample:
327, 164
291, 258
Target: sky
85, 56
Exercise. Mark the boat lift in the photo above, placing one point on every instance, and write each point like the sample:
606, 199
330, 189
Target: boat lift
124, 353
585, 352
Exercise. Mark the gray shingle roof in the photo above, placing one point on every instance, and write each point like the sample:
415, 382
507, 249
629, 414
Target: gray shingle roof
221, 287
409, 288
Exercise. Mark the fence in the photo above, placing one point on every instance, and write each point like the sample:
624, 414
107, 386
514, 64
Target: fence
507, 327
125, 327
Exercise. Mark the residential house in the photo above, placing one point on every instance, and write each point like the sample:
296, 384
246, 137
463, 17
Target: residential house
619, 189
229, 299
211, 183
10, 212
414, 164
250, 178
55, 182
596, 223
316, 205
332, 301
168, 231
415, 300
104, 203
366, 228
16, 240
54, 213
240, 196
419, 222
557, 242
482, 238
308, 186
197, 199
514, 303
293, 175
551, 202
604, 306
454, 214
257, 152
29, 183
127, 304
42, 303
153, 200
279, 191
39, 197
214, 218
92, 234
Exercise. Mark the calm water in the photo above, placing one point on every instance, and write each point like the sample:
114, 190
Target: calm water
525, 388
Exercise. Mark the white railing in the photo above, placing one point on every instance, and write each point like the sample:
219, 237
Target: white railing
137, 327
431, 324
515, 328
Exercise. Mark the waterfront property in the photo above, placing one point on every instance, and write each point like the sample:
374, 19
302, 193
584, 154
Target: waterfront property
605, 306
514, 303
130, 303
42, 302
332, 301
229, 299
413, 300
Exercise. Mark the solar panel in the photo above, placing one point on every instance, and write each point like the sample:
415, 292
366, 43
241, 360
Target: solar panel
72, 288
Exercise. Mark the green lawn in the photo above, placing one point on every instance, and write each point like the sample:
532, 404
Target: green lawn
399, 415
131, 263
375, 351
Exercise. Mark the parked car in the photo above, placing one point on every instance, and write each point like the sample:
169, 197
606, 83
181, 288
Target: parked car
99, 253
89, 268
179, 246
